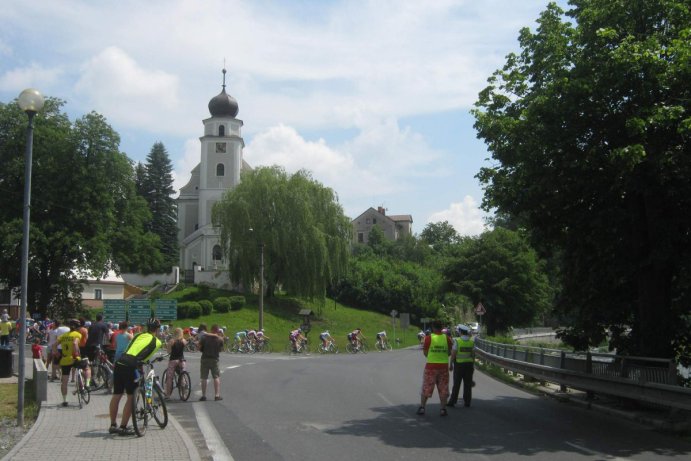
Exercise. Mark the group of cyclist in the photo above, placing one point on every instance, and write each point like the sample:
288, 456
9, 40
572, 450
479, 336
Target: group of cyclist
355, 339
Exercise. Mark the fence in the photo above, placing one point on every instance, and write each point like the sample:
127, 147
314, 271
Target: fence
640, 378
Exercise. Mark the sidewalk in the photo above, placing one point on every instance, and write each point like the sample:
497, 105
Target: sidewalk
69, 433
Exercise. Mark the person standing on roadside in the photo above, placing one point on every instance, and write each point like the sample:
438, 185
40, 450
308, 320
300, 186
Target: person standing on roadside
176, 349
5, 329
211, 345
462, 364
437, 349
95, 334
54, 354
141, 349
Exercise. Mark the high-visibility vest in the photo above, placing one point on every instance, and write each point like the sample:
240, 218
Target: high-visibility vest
438, 349
464, 350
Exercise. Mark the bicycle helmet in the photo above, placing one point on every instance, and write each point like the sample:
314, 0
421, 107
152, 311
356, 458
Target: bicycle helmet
74, 323
153, 323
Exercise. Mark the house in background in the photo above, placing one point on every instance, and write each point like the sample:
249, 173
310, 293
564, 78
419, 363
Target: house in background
393, 226
111, 286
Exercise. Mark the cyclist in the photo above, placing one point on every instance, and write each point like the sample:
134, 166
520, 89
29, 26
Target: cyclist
421, 337
355, 337
381, 337
96, 333
142, 347
241, 338
69, 343
176, 349
325, 336
252, 337
296, 336
261, 337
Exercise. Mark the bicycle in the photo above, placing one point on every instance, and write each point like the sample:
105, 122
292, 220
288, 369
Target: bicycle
101, 371
300, 348
386, 346
82, 391
181, 381
350, 347
148, 399
330, 347
263, 346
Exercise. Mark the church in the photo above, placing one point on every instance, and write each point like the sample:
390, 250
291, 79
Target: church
201, 258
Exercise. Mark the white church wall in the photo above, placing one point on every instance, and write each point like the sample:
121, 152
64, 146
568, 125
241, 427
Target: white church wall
140, 280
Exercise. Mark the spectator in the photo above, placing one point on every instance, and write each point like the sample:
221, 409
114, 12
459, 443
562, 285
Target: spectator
437, 349
211, 345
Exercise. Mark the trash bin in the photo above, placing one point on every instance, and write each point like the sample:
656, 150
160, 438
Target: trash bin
6, 363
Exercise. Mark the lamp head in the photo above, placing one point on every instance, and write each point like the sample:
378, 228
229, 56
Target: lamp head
30, 100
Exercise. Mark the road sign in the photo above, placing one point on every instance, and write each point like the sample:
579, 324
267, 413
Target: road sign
480, 309
394, 313
139, 311
114, 310
166, 309
405, 320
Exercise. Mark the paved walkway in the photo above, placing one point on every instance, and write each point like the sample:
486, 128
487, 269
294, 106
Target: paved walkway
69, 433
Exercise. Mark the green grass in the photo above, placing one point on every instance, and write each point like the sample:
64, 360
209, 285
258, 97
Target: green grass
8, 402
281, 316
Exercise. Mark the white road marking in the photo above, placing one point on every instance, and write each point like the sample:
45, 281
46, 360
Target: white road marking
594, 453
218, 449
232, 366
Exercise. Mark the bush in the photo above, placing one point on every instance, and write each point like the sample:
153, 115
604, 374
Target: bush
184, 309
236, 302
222, 305
195, 310
206, 306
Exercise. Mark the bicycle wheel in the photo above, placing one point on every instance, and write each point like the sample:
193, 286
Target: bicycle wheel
389, 347
78, 389
158, 406
99, 377
333, 348
350, 348
184, 386
140, 412
164, 377
305, 348
363, 348
378, 347
289, 348
84, 392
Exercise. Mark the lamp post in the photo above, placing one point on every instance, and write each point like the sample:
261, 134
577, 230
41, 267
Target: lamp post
30, 101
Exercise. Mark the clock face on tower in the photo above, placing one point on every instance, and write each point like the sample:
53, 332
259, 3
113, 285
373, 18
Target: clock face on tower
221, 147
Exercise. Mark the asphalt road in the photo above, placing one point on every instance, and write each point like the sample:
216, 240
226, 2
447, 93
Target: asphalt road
344, 407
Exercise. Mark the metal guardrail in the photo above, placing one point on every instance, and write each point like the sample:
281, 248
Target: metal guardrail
639, 378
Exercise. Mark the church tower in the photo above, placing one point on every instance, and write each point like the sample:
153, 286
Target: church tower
218, 171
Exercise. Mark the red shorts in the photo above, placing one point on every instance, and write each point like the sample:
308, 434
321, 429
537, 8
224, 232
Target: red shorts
435, 377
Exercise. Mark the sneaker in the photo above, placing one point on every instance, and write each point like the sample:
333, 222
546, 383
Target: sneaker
218, 398
64, 404
113, 429
202, 398
125, 431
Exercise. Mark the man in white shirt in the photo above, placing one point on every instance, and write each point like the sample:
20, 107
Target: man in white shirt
53, 336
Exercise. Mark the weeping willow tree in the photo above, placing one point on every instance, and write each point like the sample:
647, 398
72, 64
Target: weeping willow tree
299, 223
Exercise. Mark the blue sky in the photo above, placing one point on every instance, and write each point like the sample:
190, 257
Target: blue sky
372, 97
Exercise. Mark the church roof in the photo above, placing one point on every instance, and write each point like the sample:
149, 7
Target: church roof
223, 104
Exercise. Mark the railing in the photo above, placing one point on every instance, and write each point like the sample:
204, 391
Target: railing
640, 378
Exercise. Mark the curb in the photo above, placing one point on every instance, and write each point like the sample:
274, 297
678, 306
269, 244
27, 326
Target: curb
34, 427
189, 444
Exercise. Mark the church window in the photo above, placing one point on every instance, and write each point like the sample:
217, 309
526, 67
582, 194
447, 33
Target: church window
222, 130
220, 170
216, 253
98, 293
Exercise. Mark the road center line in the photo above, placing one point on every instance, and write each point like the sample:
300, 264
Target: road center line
594, 453
232, 366
218, 449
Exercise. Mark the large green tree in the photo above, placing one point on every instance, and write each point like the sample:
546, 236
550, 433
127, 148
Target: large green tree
589, 127
155, 184
86, 217
501, 270
300, 224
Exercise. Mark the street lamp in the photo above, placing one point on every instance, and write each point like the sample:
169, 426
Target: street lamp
30, 101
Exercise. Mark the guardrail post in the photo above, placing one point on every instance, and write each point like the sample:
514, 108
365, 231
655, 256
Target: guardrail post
589, 370
513, 356
672, 376
562, 365
542, 356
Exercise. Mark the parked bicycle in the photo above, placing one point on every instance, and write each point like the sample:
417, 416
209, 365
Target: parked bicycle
81, 391
181, 381
148, 399
101, 371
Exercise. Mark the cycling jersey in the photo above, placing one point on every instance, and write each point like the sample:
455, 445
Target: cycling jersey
141, 349
67, 343
251, 334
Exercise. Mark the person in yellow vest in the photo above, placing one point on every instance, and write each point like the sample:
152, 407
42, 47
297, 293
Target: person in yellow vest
69, 344
142, 347
462, 364
437, 348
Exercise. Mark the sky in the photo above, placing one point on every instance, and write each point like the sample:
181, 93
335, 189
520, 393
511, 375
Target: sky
373, 97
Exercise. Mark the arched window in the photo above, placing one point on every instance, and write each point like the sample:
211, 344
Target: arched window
216, 254
222, 130
220, 170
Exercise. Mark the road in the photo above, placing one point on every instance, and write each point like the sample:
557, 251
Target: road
344, 407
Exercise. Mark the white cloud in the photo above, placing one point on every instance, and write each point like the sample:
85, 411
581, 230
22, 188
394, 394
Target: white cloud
465, 216
183, 167
33, 76
130, 95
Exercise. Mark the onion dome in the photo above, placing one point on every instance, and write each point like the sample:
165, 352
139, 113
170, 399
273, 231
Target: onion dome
223, 104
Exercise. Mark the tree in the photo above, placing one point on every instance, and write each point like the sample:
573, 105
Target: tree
85, 215
502, 271
155, 184
299, 222
439, 235
589, 127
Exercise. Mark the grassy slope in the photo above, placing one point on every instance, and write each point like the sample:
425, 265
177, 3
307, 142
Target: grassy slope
281, 316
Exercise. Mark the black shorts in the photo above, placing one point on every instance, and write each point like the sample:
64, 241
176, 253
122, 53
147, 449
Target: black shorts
124, 379
65, 369
90, 352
